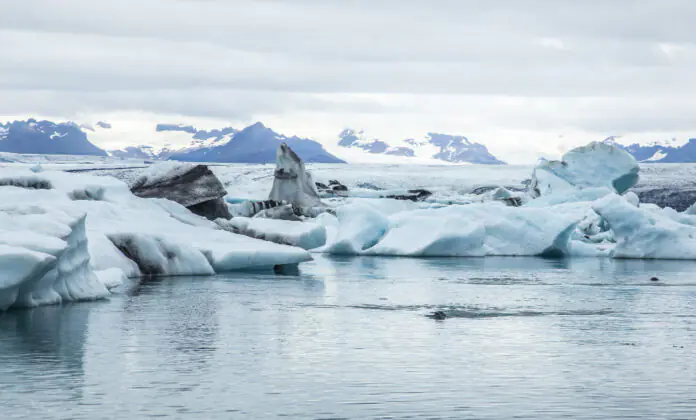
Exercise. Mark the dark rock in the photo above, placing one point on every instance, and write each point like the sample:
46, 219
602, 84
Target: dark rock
654, 279
679, 199
512, 201
287, 270
333, 187
198, 189
438, 315
211, 209
413, 195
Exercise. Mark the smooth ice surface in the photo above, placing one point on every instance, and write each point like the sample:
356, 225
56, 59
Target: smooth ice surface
349, 338
360, 227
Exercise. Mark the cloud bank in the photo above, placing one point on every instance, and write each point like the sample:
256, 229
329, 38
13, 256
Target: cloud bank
525, 77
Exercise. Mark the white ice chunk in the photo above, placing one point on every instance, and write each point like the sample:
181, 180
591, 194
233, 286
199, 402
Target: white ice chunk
423, 236
17, 267
162, 234
595, 165
644, 234
34, 278
475, 229
360, 227
111, 277
632, 198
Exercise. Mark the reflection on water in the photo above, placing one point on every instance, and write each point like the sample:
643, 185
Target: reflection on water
42, 345
352, 338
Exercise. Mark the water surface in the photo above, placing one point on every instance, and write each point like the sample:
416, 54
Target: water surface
350, 338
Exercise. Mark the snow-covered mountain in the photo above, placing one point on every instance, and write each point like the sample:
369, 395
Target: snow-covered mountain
444, 147
199, 139
351, 138
660, 152
46, 137
254, 144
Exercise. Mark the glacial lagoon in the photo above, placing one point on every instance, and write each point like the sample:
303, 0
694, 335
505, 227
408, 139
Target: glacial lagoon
352, 338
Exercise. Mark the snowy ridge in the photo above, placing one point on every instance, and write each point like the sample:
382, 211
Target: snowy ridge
257, 144
667, 151
434, 146
46, 137
658, 156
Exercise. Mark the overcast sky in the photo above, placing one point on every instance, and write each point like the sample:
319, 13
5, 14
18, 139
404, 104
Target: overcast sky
525, 77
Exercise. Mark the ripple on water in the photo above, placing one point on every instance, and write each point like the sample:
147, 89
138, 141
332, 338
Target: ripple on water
348, 338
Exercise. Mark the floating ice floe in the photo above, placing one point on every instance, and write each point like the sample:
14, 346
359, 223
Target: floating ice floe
578, 211
69, 236
595, 165
645, 234
468, 230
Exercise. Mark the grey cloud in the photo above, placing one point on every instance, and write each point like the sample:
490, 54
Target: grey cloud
595, 65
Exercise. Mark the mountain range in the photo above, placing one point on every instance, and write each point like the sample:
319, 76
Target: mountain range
254, 144
46, 137
660, 153
444, 147
258, 144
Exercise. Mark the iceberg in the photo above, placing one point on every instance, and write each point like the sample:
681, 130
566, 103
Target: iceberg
360, 227
425, 236
481, 229
193, 186
292, 183
642, 233
594, 165
59, 245
34, 273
